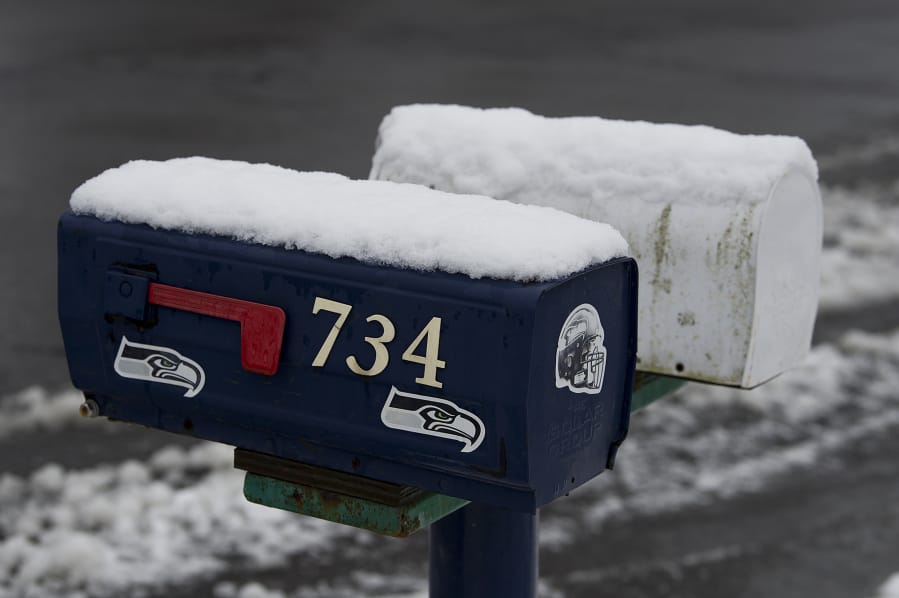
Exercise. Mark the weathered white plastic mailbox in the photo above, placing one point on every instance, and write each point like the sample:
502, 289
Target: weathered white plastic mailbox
726, 228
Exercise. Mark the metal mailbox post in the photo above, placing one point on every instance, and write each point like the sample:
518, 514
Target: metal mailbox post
483, 551
374, 396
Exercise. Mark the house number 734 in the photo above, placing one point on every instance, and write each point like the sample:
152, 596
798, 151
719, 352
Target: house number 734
429, 335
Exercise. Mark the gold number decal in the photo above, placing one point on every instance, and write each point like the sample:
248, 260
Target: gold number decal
343, 311
430, 335
382, 357
431, 361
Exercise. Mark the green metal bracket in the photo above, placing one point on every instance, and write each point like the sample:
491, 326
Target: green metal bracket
391, 520
649, 388
381, 507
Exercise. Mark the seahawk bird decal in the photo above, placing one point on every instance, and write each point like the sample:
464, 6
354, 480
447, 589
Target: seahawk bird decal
159, 364
433, 417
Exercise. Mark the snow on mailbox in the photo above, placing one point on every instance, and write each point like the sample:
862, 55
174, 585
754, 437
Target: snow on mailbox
726, 228
471, 347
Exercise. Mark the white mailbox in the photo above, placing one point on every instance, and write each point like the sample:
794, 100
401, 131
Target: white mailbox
726, 228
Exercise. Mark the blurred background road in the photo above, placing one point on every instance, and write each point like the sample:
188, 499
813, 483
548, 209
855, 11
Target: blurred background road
792, 490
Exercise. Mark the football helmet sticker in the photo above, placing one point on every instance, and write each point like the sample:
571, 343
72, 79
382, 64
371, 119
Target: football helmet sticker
434, 417
580, 353
159, 364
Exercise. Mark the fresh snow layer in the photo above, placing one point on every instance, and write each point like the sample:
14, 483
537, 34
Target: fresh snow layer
577, 164
381, 223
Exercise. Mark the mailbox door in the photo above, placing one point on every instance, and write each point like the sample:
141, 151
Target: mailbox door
583, 361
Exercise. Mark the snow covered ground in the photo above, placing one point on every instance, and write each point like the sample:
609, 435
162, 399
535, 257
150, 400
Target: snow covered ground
861, 245
178, 518
105, 529
890, 588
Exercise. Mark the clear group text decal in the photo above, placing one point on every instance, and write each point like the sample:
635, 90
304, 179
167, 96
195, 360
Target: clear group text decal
580, 353
159, 364
433, 417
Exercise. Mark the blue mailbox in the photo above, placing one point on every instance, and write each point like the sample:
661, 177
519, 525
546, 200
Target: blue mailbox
495, 391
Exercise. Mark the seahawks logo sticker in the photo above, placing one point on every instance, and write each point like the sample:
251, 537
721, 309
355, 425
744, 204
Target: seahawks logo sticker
433, 417
580, 353
159, 364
